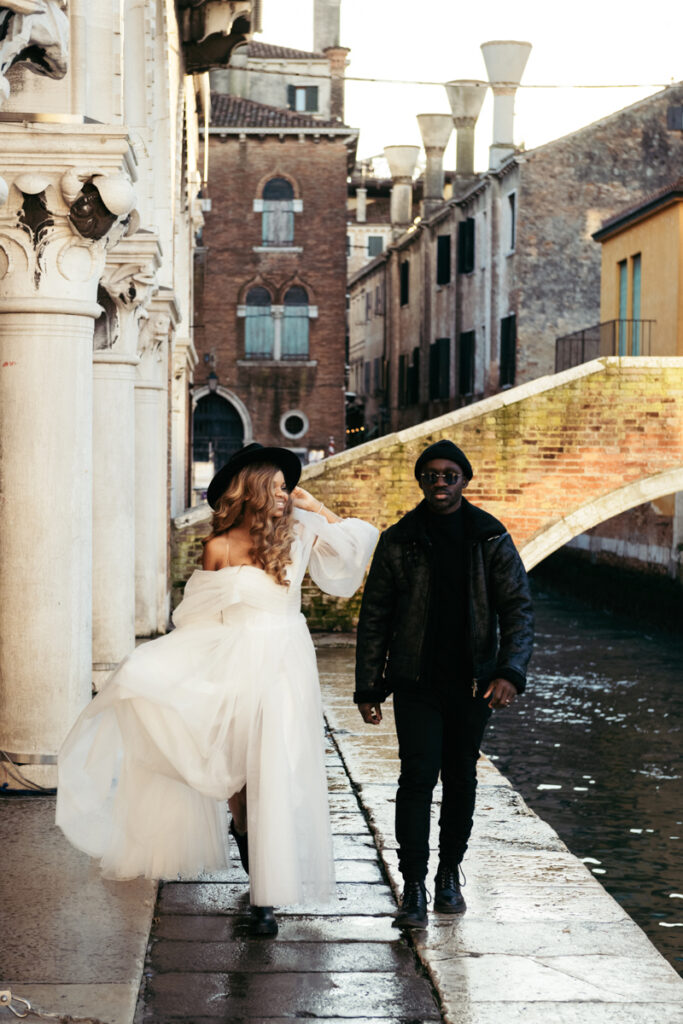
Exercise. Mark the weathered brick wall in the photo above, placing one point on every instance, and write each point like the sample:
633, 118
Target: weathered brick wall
567, 188
546, 455
231, 234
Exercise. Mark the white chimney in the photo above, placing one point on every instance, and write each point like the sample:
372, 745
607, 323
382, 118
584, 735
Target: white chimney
325, 24
466, 97
361, 205
435, 130
402, 161
505, 62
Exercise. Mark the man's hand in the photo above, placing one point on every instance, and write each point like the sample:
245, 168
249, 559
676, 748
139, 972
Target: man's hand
501, 692
371, 713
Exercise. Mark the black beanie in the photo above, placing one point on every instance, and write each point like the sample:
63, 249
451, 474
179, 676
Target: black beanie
444, 450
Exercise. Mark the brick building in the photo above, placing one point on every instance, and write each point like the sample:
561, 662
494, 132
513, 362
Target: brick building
477, 292
271, 284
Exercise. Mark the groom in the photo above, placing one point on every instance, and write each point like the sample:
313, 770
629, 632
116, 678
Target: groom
446, 623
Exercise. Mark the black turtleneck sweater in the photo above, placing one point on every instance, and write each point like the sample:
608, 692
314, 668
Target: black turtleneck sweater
447, 623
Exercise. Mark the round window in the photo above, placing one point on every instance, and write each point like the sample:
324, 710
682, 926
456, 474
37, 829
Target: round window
294, 424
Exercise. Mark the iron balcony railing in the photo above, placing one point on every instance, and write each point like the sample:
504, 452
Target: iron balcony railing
611, 338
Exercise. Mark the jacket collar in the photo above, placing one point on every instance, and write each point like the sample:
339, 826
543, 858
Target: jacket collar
479, 525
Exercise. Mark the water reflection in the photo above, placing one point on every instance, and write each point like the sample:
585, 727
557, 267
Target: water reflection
596, 749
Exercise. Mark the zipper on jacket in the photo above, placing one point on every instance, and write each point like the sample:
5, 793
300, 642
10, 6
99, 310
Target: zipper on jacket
475, 683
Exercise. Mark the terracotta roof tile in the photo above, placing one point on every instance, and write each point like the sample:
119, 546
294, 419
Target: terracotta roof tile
236, 112
267, 51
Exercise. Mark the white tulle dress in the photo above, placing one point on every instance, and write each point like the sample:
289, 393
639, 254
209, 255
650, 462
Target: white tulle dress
229, 697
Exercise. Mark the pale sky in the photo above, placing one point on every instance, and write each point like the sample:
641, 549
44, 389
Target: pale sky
585, 42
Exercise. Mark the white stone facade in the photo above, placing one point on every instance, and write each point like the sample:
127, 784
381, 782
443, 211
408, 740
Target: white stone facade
99, 179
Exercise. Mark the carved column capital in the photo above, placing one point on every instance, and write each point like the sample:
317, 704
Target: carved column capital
55, 224
163, 318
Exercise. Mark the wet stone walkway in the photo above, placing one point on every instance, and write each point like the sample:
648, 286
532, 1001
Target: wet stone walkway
346, 964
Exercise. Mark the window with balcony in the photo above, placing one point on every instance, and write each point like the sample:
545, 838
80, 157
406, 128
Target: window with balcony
277, 332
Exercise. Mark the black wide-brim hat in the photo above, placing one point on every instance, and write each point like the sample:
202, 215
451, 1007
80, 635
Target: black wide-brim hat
287, 461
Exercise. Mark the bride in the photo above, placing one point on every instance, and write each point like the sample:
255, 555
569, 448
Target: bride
225, 707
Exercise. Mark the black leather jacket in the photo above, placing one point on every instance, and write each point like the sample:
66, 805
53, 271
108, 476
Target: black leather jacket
393, 617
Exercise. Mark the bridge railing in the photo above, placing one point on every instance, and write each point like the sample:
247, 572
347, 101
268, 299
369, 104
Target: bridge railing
610, 338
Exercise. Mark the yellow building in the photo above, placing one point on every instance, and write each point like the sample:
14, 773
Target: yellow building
641, 292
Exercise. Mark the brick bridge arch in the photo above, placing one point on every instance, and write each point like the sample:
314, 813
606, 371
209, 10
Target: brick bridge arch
551, 458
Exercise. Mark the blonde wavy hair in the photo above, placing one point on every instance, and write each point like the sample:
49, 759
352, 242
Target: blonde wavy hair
251, 490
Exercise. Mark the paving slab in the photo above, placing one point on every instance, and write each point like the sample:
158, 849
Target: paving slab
338, 961
231, 898
563, 1013
72, 942
229, 996
303, 928
249, 957
541, 940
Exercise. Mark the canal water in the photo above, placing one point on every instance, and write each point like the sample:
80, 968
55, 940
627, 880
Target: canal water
595, 747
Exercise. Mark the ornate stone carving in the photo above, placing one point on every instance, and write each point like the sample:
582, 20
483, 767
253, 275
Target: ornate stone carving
210, 30
34, 32
53, 248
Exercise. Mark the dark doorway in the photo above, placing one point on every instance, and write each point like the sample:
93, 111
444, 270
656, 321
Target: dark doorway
217, 434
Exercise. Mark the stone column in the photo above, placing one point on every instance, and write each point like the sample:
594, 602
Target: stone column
54, 232
152, 477
129, 281
184, 361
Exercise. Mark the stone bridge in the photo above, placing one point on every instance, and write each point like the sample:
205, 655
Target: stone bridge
551, 458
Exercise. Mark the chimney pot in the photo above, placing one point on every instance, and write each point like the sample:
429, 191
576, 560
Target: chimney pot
505, 62
435, 130
402, 161
466, 97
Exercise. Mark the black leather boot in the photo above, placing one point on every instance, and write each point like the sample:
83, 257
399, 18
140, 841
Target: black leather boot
448, 898
263, 923
413, 912
242, 843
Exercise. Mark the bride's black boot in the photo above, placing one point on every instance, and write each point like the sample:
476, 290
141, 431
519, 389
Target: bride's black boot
262, 922
242, 842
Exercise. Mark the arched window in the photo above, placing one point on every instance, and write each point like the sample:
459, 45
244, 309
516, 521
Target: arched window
295, 324
278, 213
258, 325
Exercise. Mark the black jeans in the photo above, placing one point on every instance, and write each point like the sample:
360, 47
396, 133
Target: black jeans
438, 732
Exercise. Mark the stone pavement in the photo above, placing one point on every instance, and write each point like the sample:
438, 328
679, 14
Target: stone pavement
341, 963
541, 940
70, 942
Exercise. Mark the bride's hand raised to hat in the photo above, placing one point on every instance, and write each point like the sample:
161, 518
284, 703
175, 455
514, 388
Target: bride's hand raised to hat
303, 500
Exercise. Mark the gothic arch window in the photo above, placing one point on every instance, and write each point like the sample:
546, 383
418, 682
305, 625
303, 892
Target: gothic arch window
295, 324
277, 205
258, 324
277, 225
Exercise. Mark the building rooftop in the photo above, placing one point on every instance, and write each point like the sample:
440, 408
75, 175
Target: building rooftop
268, 51
236, 112
644, 206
